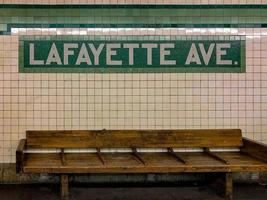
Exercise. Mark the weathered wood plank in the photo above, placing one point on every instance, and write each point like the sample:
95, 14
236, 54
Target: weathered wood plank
135, 138
126, 163
153, 169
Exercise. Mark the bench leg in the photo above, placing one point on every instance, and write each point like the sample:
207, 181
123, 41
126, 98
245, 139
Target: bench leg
223, 185
64, 179
228, 186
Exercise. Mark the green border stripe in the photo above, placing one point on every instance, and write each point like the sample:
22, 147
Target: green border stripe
131, 16
131, 6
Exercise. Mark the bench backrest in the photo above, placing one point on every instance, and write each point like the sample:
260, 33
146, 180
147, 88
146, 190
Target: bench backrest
134, 138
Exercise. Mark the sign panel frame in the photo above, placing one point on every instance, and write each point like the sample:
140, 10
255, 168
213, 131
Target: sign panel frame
42, 43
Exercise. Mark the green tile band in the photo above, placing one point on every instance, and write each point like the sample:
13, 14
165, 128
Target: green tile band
131, 16
74, 54
131, 6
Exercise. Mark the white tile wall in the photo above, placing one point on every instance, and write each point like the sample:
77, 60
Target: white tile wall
132, 101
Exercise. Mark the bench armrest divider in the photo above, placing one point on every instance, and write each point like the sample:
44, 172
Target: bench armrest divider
254, 149
20, 155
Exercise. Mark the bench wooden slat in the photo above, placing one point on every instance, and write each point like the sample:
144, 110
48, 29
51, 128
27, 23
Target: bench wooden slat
240, 159
126, 163
153, 169
135, 138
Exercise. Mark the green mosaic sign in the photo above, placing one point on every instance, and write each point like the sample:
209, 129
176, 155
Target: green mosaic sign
131, 54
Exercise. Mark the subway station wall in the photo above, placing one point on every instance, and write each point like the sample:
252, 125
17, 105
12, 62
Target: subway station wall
49, 101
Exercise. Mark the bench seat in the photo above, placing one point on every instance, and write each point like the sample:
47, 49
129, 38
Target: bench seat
128, 163
217, 151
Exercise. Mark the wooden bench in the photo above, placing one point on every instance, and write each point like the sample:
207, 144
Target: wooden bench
181, 151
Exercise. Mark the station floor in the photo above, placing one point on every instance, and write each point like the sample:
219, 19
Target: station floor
51, 192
